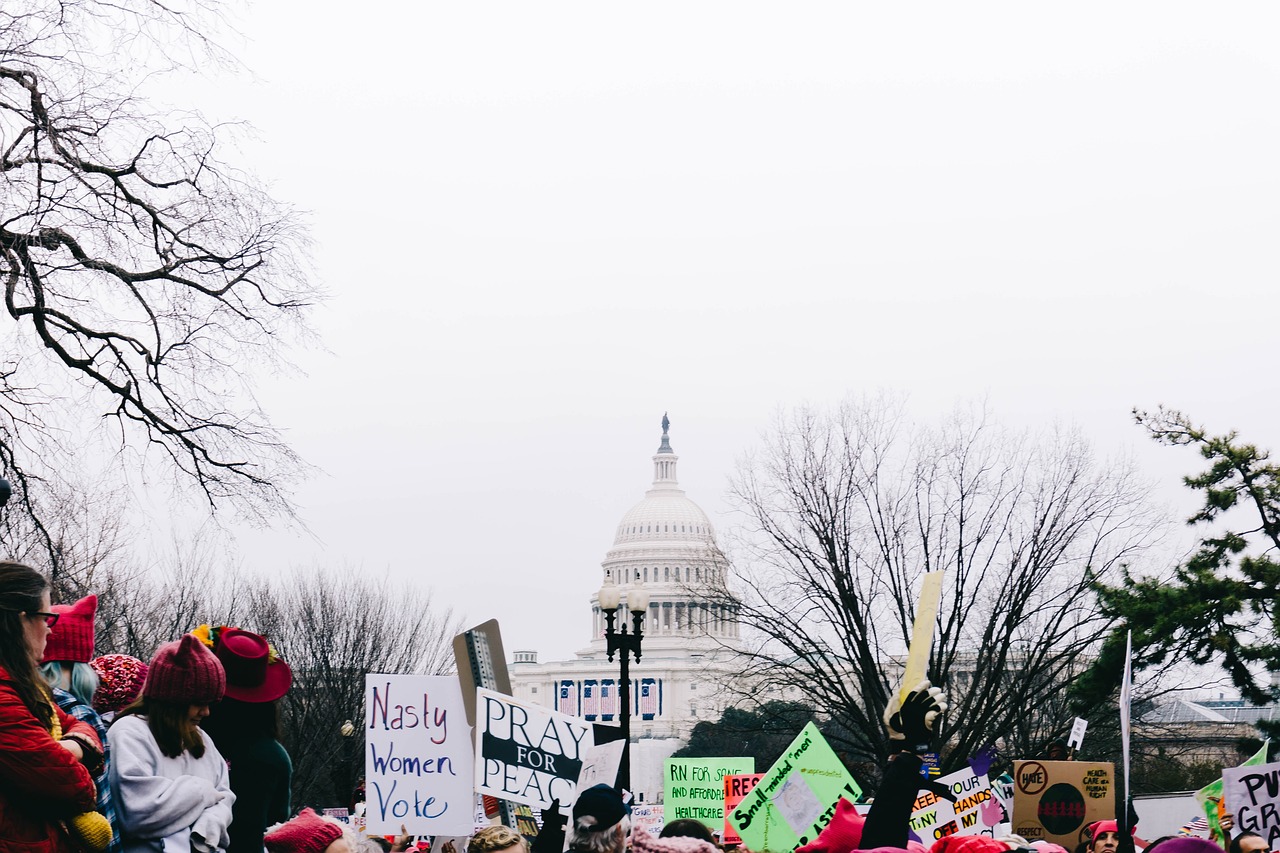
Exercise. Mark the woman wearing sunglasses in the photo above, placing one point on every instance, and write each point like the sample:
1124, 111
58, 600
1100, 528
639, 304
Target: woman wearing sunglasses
45, 782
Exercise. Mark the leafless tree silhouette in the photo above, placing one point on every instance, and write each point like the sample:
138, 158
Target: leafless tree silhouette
143, 275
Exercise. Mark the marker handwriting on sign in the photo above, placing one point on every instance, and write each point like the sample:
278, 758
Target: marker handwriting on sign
390, 716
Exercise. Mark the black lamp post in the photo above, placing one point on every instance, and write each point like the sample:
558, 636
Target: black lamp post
609, 598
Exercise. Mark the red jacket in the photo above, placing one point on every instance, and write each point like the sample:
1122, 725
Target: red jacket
40, 783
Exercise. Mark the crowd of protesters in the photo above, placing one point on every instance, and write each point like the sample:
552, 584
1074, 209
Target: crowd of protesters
181, 755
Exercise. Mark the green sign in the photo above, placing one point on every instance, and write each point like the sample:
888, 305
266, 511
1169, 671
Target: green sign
796, 798
694, 787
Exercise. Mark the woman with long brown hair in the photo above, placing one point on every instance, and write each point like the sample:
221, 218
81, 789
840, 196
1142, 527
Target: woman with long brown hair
168, 780
45, 782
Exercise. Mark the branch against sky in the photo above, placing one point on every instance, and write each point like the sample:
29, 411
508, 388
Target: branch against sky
145, 277
844, 513
1219, 608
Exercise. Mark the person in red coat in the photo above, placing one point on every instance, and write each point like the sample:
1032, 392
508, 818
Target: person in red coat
44, 783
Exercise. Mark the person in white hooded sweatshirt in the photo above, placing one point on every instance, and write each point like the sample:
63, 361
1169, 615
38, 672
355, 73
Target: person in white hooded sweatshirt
169, 783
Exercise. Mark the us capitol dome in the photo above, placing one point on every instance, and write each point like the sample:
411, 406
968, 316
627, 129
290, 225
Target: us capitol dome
665, 547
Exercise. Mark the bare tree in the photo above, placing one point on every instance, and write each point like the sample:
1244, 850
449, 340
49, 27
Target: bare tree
333, 628
845, 511
142, 274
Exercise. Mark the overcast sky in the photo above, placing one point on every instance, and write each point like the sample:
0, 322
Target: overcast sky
542, 225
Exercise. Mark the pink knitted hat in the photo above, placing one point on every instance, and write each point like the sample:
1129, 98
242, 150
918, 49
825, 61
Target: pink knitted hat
185, 671
306, 833
72, 637
120, 680
643, 841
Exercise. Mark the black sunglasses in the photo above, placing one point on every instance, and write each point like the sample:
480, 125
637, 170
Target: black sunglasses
50, 619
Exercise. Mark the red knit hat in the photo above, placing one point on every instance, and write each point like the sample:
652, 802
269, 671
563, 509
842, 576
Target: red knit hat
120, 680
72, 637
842, 834
185, 671
306, 833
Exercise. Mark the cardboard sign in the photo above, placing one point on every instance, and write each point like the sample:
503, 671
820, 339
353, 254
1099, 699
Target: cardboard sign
736, 788
796, 798
976, 811
527, 753
1252, 794
418, 756
649, 818
694, 787
1057, 800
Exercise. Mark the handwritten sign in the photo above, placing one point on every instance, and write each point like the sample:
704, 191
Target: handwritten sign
649, 818
417, 755
526, 753
796, 798
1253, 795
1055, 800
976, 811
694, 787
736, 788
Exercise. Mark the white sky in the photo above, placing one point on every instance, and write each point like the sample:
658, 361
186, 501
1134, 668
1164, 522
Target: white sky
544, 224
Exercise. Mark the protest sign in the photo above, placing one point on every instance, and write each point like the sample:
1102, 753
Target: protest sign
736, 788
694, 787
1056, 800
338, 814
976, 811
600, 765
1210, 798
1252, 794
527, 753
1077, 733
649, 818
796, 798
417, 755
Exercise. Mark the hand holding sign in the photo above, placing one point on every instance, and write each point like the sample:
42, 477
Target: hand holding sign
913, 722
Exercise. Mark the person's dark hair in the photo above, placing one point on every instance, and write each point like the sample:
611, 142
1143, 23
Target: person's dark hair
21, 588
1161, 840
170, 724
232, 721
381, 842
687, 828
1234, 847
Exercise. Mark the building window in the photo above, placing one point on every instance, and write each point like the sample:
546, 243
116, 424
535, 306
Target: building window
535, 689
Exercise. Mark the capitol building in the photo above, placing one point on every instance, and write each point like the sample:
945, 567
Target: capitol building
666, 546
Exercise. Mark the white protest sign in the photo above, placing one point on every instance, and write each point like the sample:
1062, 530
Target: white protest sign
976, 811
1252, 794
1077, 733
526, 753
417, 755
600, 765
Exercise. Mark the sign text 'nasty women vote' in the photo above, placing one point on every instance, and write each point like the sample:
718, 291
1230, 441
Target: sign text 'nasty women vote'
418, 759
526, 753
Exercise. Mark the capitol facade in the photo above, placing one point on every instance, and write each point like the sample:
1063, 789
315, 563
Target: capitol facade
666, 545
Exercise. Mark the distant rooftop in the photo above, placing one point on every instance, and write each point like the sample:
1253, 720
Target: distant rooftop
1211, 711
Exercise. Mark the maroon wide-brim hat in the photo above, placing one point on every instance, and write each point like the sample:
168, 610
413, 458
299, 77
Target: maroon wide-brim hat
251, 674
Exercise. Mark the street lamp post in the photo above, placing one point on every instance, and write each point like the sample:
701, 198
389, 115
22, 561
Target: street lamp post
610, 597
